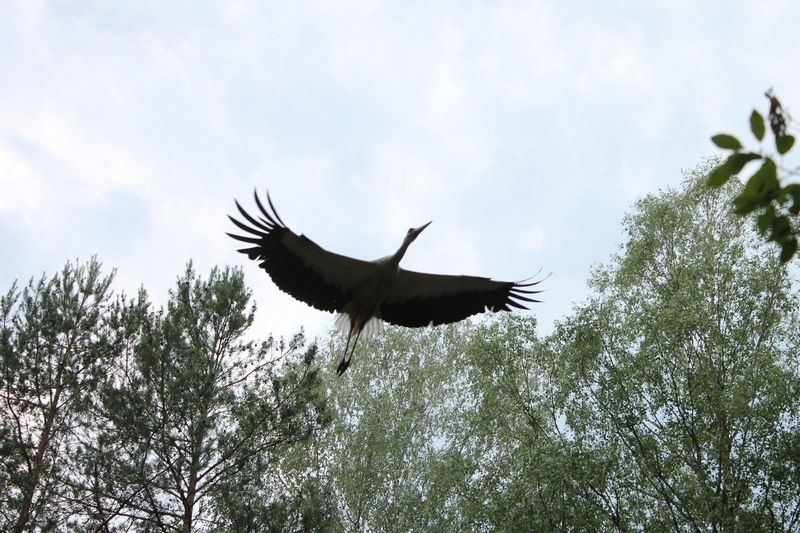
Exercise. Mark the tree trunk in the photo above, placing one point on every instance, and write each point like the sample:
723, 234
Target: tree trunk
38, 462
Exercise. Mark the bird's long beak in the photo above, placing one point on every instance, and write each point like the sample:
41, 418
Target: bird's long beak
419, 229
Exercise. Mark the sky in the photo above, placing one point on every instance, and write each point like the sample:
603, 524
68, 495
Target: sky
524, 130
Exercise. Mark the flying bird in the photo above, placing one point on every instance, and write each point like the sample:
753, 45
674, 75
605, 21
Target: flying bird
366, 292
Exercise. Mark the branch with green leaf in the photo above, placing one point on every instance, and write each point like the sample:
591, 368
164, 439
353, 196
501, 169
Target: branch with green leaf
778, 206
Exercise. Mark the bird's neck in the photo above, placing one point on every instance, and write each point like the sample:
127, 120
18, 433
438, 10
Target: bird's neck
398, 255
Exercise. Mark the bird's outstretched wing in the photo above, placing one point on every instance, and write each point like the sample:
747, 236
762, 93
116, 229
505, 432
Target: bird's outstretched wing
418, 299
296, 264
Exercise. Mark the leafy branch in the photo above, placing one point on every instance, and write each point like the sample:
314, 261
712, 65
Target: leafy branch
778, 206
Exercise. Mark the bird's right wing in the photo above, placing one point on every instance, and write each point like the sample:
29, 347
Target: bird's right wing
418, 299
296, 264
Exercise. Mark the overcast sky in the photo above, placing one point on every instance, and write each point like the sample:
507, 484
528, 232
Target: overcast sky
524, 130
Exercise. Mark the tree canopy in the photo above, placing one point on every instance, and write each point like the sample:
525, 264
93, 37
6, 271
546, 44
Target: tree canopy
668, 400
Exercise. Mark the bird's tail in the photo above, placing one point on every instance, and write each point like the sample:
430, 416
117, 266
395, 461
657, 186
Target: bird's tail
373, 327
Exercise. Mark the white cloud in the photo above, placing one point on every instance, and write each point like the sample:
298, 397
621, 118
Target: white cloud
22, 188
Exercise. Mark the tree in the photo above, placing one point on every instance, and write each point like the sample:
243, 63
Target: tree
669, 400
193, 416
386, 458
58, 340
777, 205
681, 375
528, 473
433, 428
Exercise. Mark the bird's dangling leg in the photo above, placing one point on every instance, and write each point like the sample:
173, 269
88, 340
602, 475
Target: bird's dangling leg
345, 362
342, 366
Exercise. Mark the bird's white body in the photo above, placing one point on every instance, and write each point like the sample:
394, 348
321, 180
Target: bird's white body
361, 313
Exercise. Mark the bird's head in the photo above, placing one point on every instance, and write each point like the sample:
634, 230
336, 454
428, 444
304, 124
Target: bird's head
413, 233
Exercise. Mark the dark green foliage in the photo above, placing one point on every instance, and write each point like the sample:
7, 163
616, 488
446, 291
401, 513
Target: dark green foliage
58, 342
193, 415
116, 416
777, 206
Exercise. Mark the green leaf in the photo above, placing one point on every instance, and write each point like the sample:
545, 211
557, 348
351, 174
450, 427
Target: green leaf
759, 191
719, 176
757, 125
788, 249
793, 190
764, 183
733, 165
781, 229
737, 161
728, 142
784, 143
745, 203
765, 219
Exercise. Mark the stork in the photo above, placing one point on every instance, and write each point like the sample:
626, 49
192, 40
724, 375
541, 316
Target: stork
366, 292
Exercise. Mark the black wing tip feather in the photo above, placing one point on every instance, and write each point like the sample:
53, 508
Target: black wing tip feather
272, 206
271, 214
242, 238
259, 231
521, 291
262, 226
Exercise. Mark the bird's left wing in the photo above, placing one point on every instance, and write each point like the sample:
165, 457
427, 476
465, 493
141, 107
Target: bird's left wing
296, 264
418, 299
